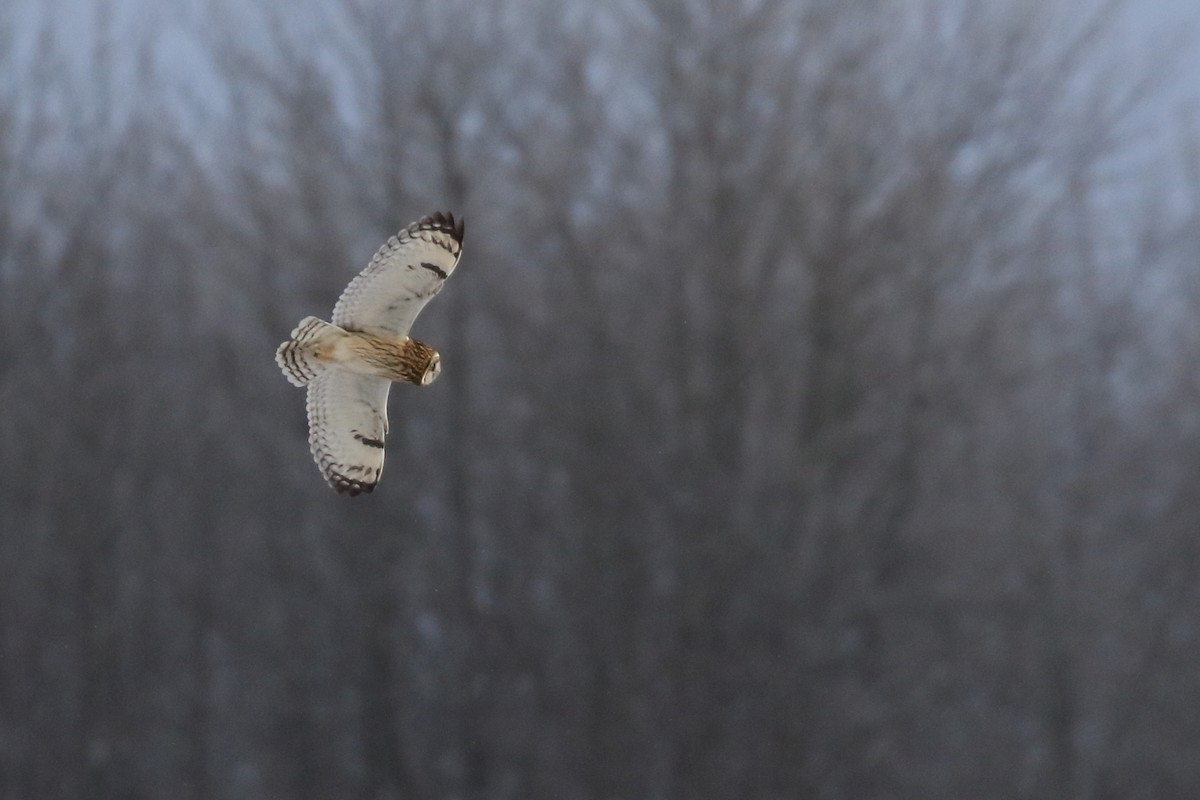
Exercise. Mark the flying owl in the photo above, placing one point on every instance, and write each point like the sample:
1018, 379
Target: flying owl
349, 365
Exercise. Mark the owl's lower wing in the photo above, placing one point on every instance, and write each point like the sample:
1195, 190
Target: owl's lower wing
347, 425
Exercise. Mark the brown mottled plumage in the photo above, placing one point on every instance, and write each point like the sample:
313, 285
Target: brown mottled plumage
350, 364
400, 359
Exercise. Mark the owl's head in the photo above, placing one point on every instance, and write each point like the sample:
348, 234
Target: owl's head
432, 369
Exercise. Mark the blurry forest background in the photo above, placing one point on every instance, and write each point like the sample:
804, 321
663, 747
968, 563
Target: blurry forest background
820, 415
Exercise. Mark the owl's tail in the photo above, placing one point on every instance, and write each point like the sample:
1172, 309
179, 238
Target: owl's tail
297, 357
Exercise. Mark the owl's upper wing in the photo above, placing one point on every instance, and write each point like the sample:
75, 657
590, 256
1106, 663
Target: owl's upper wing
347, 424
402, 277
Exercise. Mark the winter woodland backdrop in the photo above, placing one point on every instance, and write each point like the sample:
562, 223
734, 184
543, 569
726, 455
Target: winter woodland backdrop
820, 415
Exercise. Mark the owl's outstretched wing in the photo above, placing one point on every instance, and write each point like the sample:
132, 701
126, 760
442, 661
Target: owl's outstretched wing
347, 425
403, 276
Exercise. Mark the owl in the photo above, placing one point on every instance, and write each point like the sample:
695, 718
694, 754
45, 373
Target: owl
349, 365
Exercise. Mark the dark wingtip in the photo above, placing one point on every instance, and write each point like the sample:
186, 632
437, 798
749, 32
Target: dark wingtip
343, 485
444, 221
